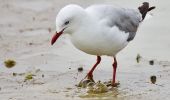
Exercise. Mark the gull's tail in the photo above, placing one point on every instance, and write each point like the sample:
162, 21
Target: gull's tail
144, 9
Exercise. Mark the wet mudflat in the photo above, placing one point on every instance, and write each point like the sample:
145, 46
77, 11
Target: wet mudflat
42, 71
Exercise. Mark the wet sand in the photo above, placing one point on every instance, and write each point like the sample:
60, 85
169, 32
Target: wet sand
26, 27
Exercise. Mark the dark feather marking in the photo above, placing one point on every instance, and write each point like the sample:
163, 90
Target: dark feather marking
144, 9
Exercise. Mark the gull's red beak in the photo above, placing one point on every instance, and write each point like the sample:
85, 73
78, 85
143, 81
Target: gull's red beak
56, 36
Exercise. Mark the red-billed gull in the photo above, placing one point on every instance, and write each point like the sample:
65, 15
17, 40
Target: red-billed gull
100, 29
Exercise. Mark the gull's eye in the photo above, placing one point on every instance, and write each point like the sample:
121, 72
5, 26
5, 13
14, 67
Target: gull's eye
67, 22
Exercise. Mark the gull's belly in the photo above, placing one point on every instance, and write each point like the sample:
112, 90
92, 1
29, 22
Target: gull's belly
99, 45
99, 50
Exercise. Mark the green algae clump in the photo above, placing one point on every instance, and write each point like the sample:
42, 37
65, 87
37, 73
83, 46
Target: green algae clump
9, 63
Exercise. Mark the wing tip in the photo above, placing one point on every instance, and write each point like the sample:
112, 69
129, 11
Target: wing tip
145, 8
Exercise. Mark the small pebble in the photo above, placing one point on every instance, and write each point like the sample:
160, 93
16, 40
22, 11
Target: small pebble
14, 74
151, 62
153, 79
138, 58
30, 43
42, 75
80, 69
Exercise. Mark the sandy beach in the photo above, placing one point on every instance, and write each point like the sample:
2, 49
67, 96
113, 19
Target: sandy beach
26, 28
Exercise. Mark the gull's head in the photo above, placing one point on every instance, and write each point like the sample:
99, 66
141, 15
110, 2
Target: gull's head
67, 20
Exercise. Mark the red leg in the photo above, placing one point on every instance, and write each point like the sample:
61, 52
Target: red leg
90, 73
114, 71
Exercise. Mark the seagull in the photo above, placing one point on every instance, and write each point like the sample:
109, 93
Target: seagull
100, 29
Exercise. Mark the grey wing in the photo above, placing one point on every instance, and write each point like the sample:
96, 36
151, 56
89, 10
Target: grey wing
125, 19
128, 20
